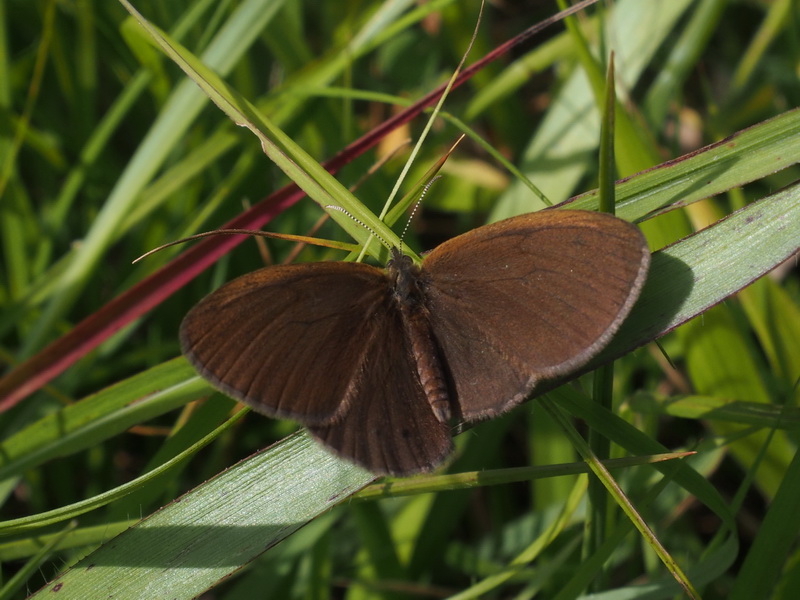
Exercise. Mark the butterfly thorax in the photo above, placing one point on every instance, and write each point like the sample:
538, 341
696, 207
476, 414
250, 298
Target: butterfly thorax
409, 297
405, 276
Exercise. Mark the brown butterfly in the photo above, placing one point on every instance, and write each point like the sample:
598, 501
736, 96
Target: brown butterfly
377, 363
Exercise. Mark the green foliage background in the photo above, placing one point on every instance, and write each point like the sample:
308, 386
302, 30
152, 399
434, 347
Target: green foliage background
107, 150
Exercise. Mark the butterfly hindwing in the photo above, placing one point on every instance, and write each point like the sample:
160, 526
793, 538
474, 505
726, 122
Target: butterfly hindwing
389, 426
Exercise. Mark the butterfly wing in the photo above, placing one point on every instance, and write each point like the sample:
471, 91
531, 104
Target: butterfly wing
290, 341
530, 298
389, 427
322, 344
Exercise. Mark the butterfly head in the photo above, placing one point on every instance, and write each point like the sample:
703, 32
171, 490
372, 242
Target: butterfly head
404, 274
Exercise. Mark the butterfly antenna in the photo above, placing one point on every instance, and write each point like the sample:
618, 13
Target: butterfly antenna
416, 206
360, 222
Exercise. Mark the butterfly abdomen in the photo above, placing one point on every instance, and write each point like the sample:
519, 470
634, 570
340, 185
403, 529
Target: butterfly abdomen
429, 365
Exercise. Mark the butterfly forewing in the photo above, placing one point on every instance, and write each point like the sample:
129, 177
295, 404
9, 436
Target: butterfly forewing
289, 341
529, 298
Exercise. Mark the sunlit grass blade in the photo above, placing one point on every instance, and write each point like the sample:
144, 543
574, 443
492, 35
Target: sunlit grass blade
298, 165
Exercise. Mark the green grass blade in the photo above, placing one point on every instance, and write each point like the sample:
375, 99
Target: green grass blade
14, 526
773, 545
100, 416
212, 531
298, 165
